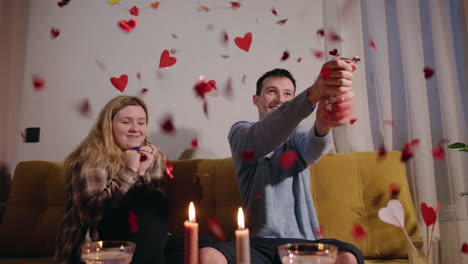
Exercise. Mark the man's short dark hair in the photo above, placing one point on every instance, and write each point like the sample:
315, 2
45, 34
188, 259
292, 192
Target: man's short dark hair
275, 73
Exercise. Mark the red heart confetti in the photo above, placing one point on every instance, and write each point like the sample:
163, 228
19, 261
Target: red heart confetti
245, 42
169, 167
299, 59
282, 21
320, 32
394, 189
464, 248
415, 143
205, 108
144, 91
224, 56
204, 8
334, 53
325, 73
228, 91
155, 5
248, 155
429, 214
389, 122
101, 65
428, 72
332, 36
120, 83
285, 55
23, 136
215, 228
235, 5
134, 11
85, 108
273, 11
319, 231
406, 153
138, 75
132, 222
358, 232
167, 125
194, 143
225, 38
128, 26
258, 196
54, 33
372, 45
382, 153
166, 60
318, 54
38, 82
438, 153
63, 3
243, 78
288, 159
202, 87
352, 121
174, 36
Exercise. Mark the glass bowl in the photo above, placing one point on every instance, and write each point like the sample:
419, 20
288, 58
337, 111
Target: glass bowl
107, 252
310, 253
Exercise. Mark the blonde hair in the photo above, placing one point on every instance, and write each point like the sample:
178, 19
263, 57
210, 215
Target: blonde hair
99, 149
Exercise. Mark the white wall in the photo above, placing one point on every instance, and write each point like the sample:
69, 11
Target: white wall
89, 32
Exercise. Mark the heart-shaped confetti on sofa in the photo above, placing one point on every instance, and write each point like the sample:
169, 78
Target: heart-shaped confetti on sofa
166, 60
245, 42
120, 83
128, 26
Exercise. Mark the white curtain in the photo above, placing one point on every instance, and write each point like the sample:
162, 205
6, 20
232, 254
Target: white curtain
395, 103
13, 18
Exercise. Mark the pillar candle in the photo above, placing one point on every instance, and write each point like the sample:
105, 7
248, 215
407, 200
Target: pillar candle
191, 238
242, 240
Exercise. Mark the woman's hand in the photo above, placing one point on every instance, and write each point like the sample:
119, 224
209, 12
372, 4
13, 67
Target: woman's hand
146, 158
132, 159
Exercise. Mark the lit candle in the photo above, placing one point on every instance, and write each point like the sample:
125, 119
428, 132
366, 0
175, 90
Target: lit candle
242, 240
191, 238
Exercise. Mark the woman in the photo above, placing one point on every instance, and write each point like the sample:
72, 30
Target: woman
114, 174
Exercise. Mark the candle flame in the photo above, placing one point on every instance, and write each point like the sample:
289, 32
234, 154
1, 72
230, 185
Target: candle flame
191, 212
240, 219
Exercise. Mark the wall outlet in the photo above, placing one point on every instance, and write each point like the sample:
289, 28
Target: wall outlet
32, 134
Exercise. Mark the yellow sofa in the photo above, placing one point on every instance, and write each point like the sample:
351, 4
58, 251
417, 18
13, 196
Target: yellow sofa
347, 188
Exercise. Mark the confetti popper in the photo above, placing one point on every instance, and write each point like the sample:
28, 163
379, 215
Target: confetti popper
333, 98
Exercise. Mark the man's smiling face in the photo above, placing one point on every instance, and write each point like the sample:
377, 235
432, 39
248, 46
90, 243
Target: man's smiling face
275, 91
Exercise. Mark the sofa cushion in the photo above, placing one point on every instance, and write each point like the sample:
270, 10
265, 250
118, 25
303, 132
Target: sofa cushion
33, 212
350, 189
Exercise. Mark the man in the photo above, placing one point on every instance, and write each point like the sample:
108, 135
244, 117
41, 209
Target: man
276, 195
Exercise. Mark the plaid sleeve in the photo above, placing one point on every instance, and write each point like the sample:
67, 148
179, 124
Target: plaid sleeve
156, 172
94, 195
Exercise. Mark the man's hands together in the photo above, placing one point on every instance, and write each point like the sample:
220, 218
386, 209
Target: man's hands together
333, 86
